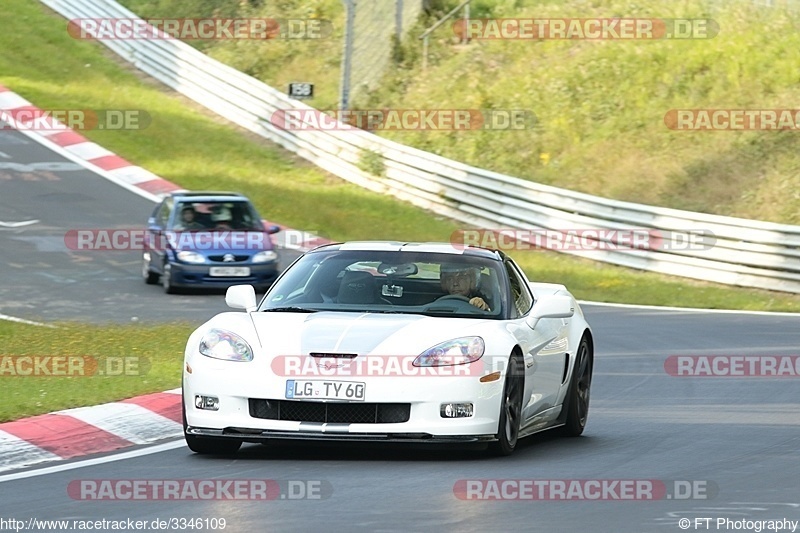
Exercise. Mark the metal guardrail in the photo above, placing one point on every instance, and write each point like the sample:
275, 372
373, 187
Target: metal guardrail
747, 253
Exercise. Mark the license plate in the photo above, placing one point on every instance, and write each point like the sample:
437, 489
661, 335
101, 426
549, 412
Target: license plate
230, 272
325, 390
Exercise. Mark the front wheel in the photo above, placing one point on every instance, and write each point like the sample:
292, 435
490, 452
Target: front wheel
166, 279
209, 446
577, 401
150, 277
511, 410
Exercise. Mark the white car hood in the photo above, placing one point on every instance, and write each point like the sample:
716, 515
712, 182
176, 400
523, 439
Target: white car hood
357, 333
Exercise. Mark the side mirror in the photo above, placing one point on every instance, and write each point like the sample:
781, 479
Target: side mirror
551, 306
241, 297
270, 228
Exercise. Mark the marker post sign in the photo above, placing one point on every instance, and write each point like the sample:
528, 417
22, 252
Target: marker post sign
301, 90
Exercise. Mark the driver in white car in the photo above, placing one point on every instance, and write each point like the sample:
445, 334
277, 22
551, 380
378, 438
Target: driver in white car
462, 280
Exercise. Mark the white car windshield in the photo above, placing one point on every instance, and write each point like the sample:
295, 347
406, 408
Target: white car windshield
392, 282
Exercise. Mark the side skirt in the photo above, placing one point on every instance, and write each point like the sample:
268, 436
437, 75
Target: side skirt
544, 421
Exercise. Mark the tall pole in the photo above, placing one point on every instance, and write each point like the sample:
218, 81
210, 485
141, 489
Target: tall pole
347, 56
398, 19
466, 24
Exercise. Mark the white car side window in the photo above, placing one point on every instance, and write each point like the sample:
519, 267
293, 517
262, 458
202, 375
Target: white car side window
519, 293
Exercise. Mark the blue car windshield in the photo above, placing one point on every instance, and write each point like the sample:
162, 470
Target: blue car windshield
215, 216
438, 284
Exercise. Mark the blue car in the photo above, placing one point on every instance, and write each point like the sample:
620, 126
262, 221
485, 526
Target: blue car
208, 240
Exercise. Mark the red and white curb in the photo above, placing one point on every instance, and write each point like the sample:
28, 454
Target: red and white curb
31, 121
89, 430
75, 146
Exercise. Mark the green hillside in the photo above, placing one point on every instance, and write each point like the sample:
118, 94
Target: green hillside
600, 104
197, 149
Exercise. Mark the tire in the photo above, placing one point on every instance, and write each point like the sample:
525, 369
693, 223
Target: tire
208, 445
166, 279
511, 408
150, 277
577, 401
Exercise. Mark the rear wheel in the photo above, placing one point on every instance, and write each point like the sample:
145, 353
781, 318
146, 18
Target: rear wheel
580, 386
511, 409
208, 445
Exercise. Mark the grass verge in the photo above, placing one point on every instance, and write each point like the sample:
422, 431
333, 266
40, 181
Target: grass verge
108, 363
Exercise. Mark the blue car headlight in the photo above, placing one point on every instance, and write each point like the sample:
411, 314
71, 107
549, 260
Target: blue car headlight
453, 352
221, 344
265, 257
190, 257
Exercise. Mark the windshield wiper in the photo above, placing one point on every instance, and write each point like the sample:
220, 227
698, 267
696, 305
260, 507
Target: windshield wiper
290, 309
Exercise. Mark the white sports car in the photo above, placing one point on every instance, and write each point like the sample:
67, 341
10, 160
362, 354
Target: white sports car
390, 341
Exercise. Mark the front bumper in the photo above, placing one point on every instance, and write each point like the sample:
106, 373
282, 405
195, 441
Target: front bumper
424, 396
186, 275
251, 435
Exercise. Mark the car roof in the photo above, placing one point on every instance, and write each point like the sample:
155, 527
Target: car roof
208, 196
425, 247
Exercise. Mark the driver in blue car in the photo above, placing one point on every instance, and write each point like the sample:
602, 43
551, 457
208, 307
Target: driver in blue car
462, 280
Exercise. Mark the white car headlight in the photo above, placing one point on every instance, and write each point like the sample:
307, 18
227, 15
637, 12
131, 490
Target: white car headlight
453, 352
265, 257
221, 344
190, 257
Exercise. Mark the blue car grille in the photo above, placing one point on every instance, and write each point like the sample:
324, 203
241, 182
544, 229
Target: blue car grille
221, 258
